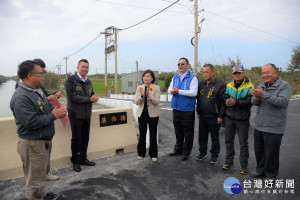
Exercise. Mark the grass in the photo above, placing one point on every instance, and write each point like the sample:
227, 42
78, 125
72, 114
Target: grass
99, 87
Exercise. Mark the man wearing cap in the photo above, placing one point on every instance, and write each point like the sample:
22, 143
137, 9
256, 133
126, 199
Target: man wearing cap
237, 99
272, 98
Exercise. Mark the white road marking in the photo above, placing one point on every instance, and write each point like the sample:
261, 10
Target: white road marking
167, 108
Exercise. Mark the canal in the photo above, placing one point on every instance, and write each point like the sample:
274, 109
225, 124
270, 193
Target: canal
6, 91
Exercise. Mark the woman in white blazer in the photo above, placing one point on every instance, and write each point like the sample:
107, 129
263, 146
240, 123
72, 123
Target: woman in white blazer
147, 98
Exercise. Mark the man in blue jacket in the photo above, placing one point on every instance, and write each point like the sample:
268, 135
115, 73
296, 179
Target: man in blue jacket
272, 98
34, 117
183, 87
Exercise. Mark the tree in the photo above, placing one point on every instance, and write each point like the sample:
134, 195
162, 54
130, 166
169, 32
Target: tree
51, 81
295, 61
162, 75
256, 69
233, 63
168, 79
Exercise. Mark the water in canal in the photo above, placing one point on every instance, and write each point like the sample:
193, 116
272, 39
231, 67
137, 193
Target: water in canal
6, 91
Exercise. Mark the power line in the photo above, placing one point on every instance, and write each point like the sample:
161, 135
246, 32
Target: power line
133, 6
252, 27
179, 4
214, 40
241, 23
212, 35
80, 49
212, 48
60, 61
254, 36
149, 17
84, 46
120, 29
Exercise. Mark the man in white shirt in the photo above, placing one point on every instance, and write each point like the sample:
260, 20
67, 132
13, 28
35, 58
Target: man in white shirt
184, 88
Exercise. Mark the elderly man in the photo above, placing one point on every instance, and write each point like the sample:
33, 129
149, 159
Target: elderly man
272, 98
34, 117
183, 87
80, 96
238, 110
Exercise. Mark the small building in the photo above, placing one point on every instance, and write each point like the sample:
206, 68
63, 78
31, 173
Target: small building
130, 81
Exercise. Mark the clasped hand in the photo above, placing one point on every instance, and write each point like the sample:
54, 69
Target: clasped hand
142, 91
230, 102
94, 98
257, 93
59, 112
174, 91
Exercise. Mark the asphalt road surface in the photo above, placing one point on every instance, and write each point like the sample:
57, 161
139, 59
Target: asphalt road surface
125, 177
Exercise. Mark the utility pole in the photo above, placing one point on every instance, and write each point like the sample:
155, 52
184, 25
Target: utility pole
116, 61
137, 73
57, 69
108, 32
66, 67
105, 71
196, 38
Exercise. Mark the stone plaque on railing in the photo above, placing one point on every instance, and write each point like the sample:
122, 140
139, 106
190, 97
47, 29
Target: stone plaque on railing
110, 119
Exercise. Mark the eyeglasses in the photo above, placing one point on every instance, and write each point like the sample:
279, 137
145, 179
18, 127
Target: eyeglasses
41, 73
181, 64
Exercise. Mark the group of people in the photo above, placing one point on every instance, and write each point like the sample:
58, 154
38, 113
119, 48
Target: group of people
213, 100
35, 115
217, 103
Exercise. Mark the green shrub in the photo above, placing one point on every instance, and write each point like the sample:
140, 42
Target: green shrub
51, 82
168, 79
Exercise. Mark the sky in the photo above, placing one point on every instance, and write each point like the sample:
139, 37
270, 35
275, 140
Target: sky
258, 32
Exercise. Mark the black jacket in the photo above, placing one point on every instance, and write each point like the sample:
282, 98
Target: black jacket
78, 96
242, 109
210, 98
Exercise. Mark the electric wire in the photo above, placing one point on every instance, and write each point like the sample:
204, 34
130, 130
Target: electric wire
242, 23
214, 39
133, 6
84, 46
120, 29
235, 21
179, 4
211, 30
150, 16
254, 36
211, 46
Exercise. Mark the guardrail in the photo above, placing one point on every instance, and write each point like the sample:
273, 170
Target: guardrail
104, 141
163, 97
119, 103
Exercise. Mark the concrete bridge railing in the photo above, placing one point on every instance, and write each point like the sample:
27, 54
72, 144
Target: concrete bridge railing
104, 142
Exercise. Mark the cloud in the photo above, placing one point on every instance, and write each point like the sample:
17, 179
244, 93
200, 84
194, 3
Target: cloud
65, 26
